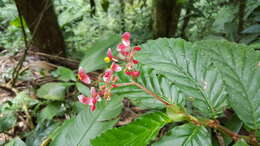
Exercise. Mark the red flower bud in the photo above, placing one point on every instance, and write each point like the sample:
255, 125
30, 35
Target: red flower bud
135, 73
114, 86
135, 61
137, 48
128, 73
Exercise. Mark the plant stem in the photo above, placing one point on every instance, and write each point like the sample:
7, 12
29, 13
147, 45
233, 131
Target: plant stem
150, 92
209, 123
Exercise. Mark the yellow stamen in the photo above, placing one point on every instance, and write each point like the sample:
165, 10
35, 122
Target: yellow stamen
107, 59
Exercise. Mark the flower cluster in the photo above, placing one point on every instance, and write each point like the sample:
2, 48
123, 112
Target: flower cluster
124, 57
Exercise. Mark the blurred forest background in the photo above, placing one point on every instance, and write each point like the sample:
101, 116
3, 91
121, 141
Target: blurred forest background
65, 31
82, 22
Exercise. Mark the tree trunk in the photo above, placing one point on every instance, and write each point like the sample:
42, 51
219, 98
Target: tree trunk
105, 5
93, 8
166, 16
242, 6
43, 25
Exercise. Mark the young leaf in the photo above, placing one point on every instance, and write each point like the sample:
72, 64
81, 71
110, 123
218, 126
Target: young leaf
240, 69
190, 70
53, 91
88, 125
138, 133
186, 135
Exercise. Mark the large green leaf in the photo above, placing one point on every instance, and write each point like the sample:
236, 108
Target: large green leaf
154, 81
53, 91
138, 133
240, 69
190, 70
94, 58
88, 125
186, 135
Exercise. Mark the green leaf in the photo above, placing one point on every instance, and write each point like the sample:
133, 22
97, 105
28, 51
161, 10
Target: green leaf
252, 29
186, 135
240, 69
88, 125
94, 58
22, 99
154, 81
241, 142
83, 89
17, 23
7, 120
138, 133
53, 91
16, 142
64, 74
190, 70
49, 112
40, 133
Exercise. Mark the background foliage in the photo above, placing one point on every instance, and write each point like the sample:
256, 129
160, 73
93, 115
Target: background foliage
212, 73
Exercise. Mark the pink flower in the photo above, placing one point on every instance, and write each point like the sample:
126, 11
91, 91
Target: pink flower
126, 42
126, 36
91, 101
125, 53
83, 76
115, 67
108, 75
109, 54
121, 47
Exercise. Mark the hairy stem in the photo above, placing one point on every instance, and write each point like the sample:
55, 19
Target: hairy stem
150, 92
208, 122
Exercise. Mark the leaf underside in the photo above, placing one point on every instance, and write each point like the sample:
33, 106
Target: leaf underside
89, 124
191, 71
186, 135
240, 69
